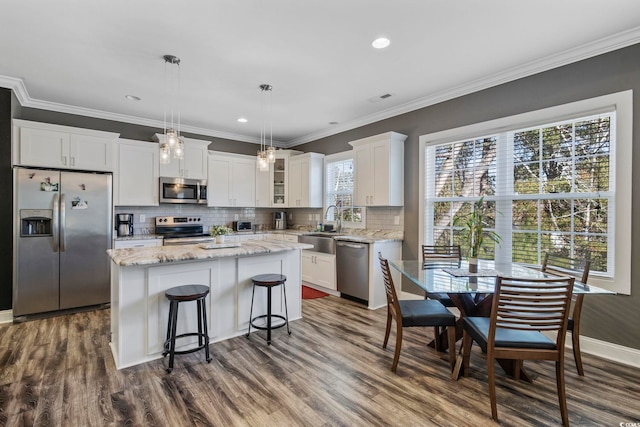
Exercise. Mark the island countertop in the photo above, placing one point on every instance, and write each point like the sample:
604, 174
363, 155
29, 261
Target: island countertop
128, 257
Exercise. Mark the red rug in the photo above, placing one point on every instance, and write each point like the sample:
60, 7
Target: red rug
310, 293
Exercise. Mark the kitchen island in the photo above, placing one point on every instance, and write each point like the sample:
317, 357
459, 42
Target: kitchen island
140, 276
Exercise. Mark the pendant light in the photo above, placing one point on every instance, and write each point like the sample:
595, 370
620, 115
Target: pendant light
267, 154
172, 145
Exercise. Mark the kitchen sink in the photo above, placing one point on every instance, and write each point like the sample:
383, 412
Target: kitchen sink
322, 242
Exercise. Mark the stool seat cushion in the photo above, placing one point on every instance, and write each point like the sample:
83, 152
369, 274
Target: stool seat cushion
478, 328
425, 312
187, 292
269, 279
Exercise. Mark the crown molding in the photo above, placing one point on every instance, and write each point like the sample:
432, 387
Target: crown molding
589, 50
19, 88
604, 45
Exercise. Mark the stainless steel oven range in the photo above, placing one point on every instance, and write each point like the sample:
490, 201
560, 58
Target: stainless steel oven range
182, 230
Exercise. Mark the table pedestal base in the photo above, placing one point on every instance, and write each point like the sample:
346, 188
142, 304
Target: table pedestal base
475, 305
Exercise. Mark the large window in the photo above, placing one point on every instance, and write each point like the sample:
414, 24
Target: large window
550, 186
552, 183
339, 191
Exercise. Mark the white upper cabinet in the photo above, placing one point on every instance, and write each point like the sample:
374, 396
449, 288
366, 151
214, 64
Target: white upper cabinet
194, 163
272, 186
263, 187
136, 176
279, 174
305, 180
231, 180
64, 147
379, 170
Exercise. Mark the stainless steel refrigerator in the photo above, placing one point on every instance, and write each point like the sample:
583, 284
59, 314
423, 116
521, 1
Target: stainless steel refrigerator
62, 229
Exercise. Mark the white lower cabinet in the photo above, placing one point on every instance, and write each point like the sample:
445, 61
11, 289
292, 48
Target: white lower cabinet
137, 243
319, 269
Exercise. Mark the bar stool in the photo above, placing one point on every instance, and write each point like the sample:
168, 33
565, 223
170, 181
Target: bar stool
175, 296
269, 281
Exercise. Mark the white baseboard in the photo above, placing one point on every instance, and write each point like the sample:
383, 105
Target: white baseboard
6, 316
606, 350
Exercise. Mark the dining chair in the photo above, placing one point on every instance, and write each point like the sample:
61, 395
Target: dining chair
408, 313
521, 311
441, 256
578, 268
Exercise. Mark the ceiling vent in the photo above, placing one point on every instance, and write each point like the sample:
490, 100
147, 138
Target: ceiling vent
380, 97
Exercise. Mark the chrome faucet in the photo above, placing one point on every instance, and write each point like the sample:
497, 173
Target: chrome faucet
338, 216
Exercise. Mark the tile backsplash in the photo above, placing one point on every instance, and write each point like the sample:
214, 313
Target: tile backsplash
383, 218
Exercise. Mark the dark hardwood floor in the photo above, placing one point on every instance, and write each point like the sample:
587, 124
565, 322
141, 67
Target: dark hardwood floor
330, 371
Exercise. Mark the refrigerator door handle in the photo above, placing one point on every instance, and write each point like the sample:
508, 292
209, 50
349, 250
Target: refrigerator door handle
56, 223
62, 223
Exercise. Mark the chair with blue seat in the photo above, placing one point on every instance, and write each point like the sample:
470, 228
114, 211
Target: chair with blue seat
522, 309
578, 268
441, 256
408, 313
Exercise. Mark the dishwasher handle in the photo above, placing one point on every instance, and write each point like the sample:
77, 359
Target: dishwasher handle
351, 245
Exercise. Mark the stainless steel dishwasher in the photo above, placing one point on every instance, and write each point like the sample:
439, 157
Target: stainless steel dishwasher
352, 270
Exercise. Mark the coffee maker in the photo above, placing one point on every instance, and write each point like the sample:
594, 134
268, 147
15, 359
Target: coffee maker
124, 224
279, 220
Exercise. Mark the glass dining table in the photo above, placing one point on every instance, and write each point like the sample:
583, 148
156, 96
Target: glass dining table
472, 292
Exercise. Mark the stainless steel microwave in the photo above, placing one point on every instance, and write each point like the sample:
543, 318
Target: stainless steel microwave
183, 190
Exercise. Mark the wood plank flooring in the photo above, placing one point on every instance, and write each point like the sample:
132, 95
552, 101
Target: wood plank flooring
331, 371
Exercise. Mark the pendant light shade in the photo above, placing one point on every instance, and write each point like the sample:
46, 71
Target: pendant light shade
267, 153
271, 154
172, 145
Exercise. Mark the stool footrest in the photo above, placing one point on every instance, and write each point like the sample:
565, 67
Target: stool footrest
264, 316
167, 344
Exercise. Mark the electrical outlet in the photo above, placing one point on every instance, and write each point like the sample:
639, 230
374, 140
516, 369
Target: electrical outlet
310, 217
317, 217
290, 217
236, 217
143, 218
396, 220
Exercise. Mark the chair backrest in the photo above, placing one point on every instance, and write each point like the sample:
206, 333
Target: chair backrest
441, 256
564, 266
392, 296
532, 305
441, 252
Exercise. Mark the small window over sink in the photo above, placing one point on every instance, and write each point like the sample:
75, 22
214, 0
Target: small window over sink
339, 187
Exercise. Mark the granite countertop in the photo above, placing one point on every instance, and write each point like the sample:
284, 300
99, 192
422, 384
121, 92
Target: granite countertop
360, 235
348, 234
129, 257
140, 237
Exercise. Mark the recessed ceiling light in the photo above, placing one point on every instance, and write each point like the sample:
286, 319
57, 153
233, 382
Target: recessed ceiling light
381, 43
242, 120
132, 97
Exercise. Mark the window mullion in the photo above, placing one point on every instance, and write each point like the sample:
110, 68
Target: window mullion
504, 193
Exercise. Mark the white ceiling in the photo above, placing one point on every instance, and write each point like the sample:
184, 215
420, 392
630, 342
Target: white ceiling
83, 57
